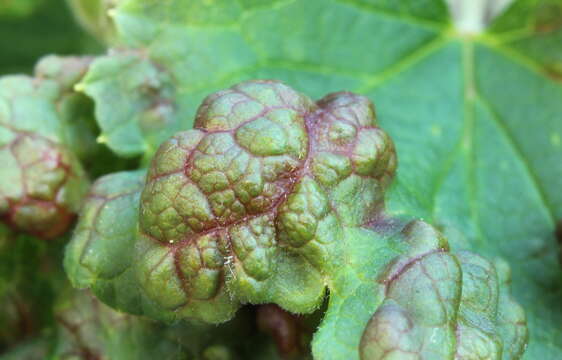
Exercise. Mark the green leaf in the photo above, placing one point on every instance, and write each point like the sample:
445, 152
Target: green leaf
533, 28
33, 349
134, 102
47, 143
43, 182
86, 328
29, 275
18, 8
446, 315
474, 116
99, 256
271, 198
95, 17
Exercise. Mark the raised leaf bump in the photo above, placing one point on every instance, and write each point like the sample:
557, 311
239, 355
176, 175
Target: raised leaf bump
250, 194
442, 305
226, 219
43, 181
458, 106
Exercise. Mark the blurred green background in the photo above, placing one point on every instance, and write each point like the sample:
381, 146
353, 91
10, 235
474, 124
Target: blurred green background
30, 29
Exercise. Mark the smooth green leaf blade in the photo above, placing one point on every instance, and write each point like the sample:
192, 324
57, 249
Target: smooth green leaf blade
354, 294
530, 32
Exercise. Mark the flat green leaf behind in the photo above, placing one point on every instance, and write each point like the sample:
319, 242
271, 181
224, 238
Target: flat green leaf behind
188, 58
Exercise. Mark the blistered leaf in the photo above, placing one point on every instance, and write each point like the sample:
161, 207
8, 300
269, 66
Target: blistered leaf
271, 198
474, 115
42, 181
440, 305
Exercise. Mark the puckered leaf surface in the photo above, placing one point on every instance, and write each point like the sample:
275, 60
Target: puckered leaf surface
475, 117
271, 198
42, 181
